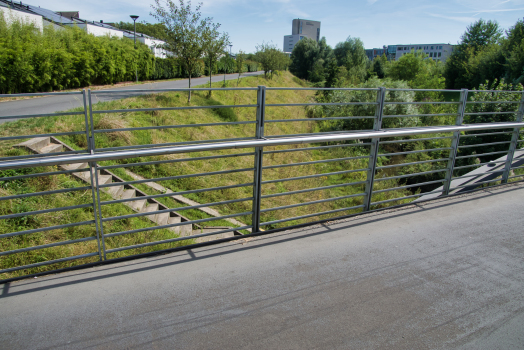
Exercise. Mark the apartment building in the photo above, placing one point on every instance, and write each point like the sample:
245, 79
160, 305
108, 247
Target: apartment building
438, 52
300, 29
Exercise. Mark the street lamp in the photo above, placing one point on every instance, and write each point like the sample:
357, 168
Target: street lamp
134, 18
230, 45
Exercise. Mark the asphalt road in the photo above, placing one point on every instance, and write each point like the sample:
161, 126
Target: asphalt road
58, 103
447, 274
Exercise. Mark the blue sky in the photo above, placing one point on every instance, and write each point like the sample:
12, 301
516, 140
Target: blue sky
376, 22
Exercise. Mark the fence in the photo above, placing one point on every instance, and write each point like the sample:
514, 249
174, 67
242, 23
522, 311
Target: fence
66, 201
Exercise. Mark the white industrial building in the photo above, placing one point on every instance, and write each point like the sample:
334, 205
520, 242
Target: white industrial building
12, 14
300, 29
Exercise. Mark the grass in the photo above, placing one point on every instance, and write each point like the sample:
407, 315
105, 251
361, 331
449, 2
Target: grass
117, 139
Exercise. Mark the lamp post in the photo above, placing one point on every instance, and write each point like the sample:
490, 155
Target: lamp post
134, 18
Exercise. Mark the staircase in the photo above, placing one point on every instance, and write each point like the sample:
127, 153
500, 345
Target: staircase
45, 145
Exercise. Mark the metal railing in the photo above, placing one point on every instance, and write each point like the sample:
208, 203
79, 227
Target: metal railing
99, 226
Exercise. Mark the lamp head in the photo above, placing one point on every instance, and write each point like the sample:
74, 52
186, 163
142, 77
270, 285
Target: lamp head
134, 17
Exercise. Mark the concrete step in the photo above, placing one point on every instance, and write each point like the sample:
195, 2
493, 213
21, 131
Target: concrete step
105, 179
128, 194
75, 166
182, 230
116, 192
150, 208
52, 148
212, 237
36, 144
162, 219
138, 205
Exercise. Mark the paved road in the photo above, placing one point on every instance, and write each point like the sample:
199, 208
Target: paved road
441, 275
52, 104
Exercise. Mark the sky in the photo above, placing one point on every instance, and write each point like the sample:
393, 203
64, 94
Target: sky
375, 22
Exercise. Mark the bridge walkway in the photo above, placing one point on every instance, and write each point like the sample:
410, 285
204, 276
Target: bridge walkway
442, 274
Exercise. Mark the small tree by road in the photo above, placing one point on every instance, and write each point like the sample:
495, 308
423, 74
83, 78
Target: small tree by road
271, 58
186, 31
240, 64
215, 45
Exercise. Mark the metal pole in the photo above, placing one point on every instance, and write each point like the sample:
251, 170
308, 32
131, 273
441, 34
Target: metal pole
259, 152
93, 171
372, 165
455, 142
89, 149
514, 139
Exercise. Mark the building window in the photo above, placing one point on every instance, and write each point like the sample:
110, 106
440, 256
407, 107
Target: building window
440, 47
439, 54
431, 54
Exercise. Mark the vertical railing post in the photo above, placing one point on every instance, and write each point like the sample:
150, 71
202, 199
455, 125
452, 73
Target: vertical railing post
89, 149
513, 144
372, 165
455, 142
259, 153
93, 172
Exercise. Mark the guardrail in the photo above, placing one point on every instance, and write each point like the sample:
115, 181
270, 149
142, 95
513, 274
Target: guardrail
109, 216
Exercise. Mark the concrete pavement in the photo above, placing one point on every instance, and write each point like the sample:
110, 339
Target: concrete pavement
437, 275
58, 103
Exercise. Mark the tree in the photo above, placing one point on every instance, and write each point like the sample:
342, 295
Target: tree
156, 30
462, 66
514, 53
303, 58
240, 64
214, 45
186, 32
271, 58
352, 55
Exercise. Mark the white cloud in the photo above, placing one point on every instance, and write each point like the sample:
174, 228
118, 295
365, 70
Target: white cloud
461, 19
371, 2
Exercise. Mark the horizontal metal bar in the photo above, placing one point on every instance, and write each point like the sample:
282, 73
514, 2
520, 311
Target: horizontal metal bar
42, 94
313, 202
517, 167
25, 116
418, 115
415, 140
311, 215
496, 91
479, 164
424, 90
487, 134
133, 110
45, 155
417, 151
481, 155
10, 178
100, 157
313, 189
50, 262
485, 144
45, 193
475, 184
41, 135
314, 162
184, 238
320, 104
323, 88
515, 176
490, 102
409, 186
421, 103
487, 113
53, 210
320, 147
171, 194
50, 228
315, 175
413, 163
128, 165
99, 131
277, 137
409, 175
171, 90
177, 224
21, 250
406, 197
175, 177
310, 119
159, 146
170, 210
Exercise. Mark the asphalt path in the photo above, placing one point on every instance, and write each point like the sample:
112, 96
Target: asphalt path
445, 274
59, 103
